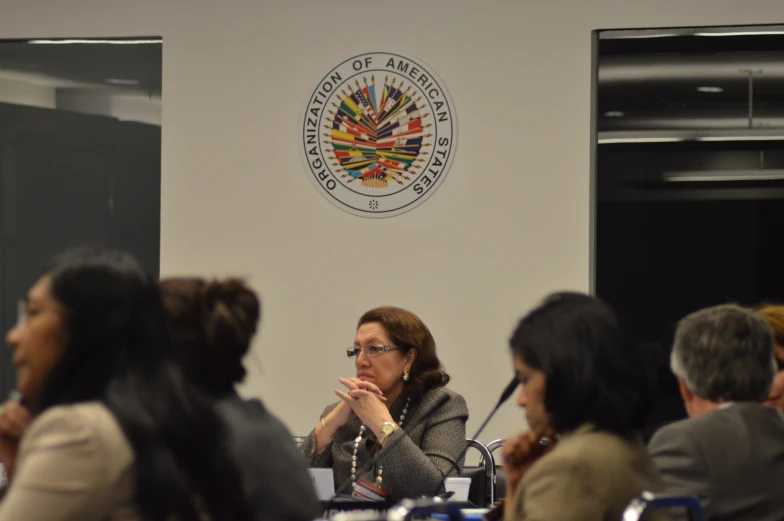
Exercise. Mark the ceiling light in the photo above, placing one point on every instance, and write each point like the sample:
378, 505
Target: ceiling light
641, 36
698, 176
740, 33
625, 34
111, 42
710, 89
741, 138
614, 114
120, 81
611, 141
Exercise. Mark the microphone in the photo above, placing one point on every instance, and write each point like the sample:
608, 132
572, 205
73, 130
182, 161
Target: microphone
372, 461
508, 390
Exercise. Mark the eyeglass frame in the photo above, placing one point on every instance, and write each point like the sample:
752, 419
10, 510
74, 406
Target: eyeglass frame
23, 314
353, 352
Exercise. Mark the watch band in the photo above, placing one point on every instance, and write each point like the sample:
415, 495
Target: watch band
386, 429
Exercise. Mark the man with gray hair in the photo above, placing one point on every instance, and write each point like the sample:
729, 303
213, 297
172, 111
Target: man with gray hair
729, 453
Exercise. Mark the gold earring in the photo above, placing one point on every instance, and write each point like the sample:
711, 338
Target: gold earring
405, 376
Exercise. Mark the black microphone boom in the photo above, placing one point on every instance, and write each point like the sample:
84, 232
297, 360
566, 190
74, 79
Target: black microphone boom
508, 390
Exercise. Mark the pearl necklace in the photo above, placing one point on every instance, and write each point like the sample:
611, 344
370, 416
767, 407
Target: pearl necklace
358, 439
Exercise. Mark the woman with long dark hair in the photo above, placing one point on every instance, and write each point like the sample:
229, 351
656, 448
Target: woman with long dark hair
117, 432
587, 392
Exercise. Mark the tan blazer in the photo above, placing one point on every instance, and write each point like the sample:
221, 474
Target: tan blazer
74, 463
589, 476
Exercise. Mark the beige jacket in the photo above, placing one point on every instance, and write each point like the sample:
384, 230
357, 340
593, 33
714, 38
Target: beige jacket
589, 476
74, 463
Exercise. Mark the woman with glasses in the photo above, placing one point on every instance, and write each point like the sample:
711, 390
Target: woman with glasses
116, 432
396, 431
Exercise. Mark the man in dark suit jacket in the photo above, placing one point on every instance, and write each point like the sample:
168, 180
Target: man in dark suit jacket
730, 452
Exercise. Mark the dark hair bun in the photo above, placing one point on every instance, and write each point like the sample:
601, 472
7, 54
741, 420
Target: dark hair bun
231, 315
212, 324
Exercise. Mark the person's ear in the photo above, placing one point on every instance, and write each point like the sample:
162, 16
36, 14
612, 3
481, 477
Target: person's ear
686, 393
410, 359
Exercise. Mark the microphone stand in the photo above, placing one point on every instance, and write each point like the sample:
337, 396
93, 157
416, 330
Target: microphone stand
408, 508
508, 390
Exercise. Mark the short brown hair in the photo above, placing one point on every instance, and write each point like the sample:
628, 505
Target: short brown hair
408, 332
774, 316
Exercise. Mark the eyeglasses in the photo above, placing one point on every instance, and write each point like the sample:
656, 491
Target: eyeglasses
370, 351
24, 313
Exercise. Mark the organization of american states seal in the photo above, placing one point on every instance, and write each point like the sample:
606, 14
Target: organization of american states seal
378, 135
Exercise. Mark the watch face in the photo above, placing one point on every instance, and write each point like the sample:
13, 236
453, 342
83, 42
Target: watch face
387, 428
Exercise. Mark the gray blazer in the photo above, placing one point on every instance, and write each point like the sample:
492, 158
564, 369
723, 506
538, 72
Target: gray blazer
732, 459
274, 477
432, 448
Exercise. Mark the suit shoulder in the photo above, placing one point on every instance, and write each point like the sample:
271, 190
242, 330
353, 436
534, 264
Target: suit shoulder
453, 401
84, 419
453, 395
597, 453
252, 415
82, 425
592, 445
723, 421
672, 429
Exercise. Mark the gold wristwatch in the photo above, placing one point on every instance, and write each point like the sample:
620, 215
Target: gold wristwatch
386, 429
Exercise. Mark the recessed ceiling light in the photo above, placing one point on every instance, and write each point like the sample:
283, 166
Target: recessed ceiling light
110, 42
710, 89
740, 33
614, 114
724, 175
612, 141
120, 81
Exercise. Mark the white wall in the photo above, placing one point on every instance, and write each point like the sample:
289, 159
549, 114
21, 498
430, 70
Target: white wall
510, 222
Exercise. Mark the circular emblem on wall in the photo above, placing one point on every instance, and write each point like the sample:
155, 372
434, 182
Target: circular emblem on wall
379, 134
